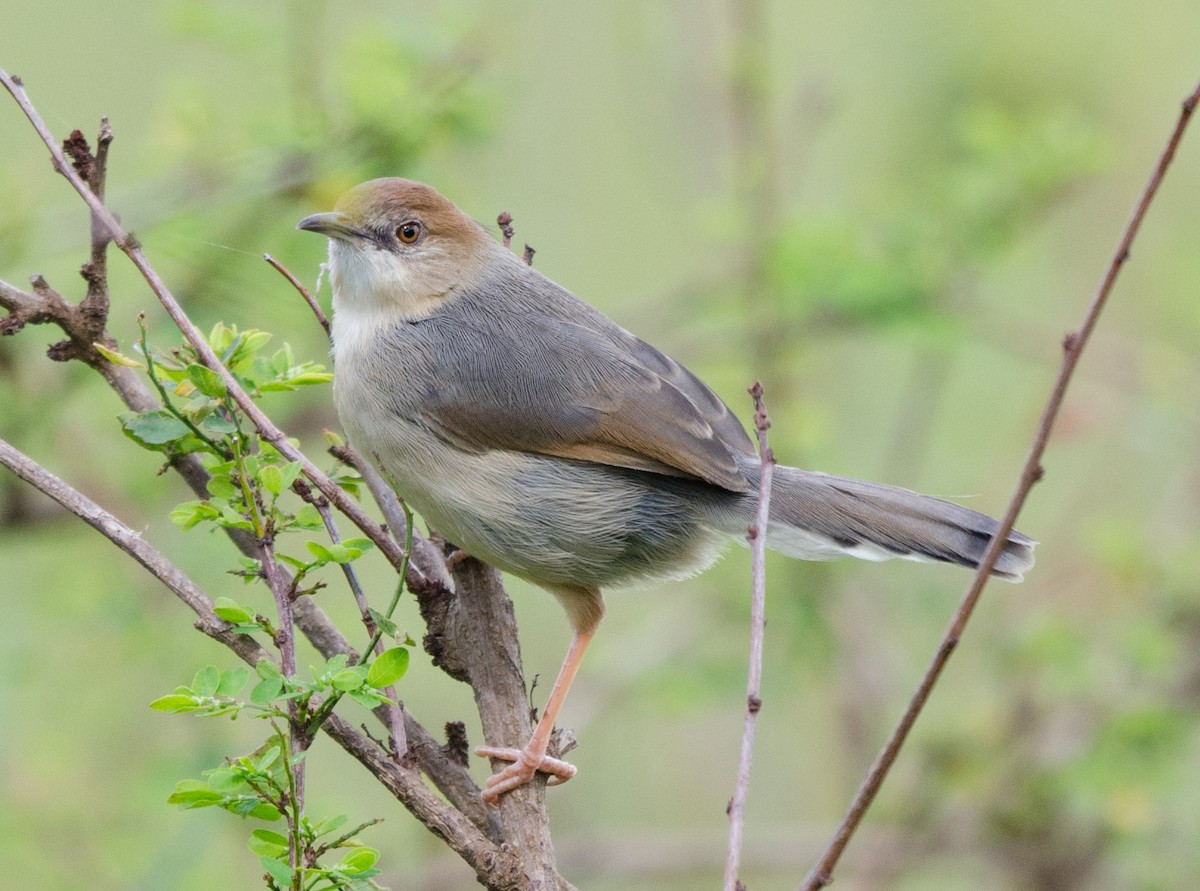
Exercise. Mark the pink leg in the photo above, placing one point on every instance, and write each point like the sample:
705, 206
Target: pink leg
533, 758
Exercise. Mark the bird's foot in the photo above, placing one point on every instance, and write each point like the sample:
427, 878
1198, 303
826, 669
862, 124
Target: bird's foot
524, 765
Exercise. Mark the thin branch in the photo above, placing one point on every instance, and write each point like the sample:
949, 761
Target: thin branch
757, 537
132, 249
1032, 472
304, 292
135, 546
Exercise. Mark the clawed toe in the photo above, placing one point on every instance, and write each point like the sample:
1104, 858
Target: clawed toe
522, 769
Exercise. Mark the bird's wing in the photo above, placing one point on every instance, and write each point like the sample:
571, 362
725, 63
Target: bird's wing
538, 384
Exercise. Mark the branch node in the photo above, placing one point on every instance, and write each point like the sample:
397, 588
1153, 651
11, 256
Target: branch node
76, 148
11, 324
457, 748
504, 221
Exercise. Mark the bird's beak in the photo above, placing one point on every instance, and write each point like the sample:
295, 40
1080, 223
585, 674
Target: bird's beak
333, 225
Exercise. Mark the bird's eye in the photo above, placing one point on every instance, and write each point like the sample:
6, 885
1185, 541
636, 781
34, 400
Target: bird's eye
408, 232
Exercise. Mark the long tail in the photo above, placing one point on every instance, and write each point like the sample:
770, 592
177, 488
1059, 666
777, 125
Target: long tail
815, 516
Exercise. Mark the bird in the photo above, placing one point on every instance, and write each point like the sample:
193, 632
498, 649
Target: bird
539, 436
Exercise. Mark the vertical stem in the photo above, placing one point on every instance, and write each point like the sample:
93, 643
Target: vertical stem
757, 536
298, 738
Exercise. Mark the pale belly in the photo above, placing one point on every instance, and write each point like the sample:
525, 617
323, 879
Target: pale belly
553, 521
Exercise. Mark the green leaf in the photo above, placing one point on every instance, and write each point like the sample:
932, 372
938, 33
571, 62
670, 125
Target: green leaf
207, 381
192, 513
224, 779
388, 668
367, 697
358, 861
253, 341
278, 870
386, 625
290, 472
306, 378
269, 757
218, 424
233, 612
347, 680
319, 551
154, 427
206, 680
117, 358
329, 824
266, 690
308, 517
231, 519
174, 702
272, 479
265, 668
267, 843
221, 337
194, 793
232, 681
221, 486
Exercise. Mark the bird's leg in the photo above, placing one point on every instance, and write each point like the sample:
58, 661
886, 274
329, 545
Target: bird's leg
529, 760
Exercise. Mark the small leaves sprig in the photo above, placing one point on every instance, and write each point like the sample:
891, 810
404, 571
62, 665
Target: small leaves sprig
262, 784
254, 489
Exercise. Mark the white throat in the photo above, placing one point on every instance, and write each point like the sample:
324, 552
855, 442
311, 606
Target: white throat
372, 290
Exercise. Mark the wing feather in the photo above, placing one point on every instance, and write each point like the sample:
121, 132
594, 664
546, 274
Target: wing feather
536, 383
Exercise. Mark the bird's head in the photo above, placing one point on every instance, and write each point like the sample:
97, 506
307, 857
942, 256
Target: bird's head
398, 250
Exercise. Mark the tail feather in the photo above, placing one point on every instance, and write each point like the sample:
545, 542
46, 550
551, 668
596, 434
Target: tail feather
815, 516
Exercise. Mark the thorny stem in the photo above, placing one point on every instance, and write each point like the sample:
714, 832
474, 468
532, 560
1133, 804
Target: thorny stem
1032, 472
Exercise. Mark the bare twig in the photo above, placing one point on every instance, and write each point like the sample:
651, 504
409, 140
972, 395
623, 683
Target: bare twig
1032, 472
135, 546
757, 536
304, 292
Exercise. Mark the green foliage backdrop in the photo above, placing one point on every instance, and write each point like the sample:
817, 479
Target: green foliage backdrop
889, 213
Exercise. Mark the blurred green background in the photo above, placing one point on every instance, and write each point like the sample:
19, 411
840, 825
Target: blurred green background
888, 212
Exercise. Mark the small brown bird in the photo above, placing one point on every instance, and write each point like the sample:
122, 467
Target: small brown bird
544, 439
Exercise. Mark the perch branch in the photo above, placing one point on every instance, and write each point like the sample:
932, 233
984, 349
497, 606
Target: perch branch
1032, 472
135, 546
497, 868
